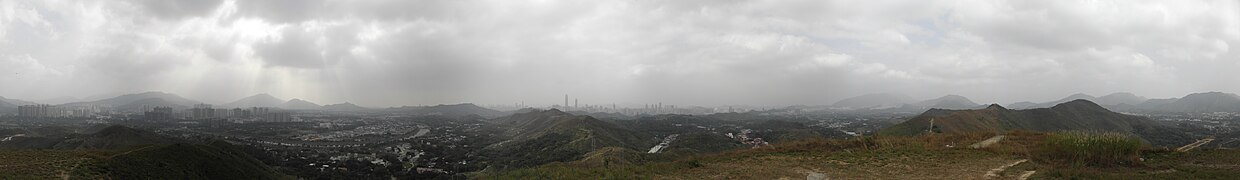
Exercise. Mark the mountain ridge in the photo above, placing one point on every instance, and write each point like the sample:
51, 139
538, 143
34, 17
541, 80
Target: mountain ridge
1072, 115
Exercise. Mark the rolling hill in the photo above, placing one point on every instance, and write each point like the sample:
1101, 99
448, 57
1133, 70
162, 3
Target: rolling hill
301, 105
133, 102
543, 136
948, 102
454, 110
1072, 115
1120, 99
16, 102
878, 100
344, 107
10, 105
1202, 102
257, 100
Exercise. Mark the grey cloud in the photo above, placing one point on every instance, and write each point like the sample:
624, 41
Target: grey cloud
386, 53
295, 48
177, 9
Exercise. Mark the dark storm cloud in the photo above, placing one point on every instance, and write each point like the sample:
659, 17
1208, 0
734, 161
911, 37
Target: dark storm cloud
398, 52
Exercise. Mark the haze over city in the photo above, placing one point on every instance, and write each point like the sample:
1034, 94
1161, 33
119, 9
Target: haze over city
392, 53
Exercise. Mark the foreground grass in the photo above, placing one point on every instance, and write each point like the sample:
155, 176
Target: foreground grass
1078, 149
859, 158
1068, 155
49, 164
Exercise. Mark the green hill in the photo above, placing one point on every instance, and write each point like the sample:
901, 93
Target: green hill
214, 160
111, 137
1072, 115
118, 152
539, 137
217, 160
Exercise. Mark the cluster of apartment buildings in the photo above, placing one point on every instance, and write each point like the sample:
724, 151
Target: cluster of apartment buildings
49, 111
206, 112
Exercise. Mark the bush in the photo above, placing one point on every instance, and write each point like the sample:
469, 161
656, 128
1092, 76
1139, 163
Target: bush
1092, 149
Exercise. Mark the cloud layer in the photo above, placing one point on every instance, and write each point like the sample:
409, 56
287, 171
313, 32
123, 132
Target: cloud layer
399, 52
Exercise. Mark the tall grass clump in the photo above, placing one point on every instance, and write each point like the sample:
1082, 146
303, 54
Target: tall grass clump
1080, 148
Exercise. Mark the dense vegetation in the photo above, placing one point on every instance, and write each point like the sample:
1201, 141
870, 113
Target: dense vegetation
1079, 148
216, 160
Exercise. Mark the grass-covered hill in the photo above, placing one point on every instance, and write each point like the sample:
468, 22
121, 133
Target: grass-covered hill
110, 137
213, 160
216, 160
1078, 114
118, 152
543, 136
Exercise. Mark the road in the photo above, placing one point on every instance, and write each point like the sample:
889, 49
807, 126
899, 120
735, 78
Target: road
1194, 145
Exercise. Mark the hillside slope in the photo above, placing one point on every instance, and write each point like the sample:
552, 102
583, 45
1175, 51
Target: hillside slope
543, 136
1071, 115
111, 137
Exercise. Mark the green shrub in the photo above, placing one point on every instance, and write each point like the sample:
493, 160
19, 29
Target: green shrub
1091, 149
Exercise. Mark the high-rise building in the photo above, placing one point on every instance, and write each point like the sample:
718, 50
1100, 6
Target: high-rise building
277, 117
202, 111
34, 111
259, 111
159, 114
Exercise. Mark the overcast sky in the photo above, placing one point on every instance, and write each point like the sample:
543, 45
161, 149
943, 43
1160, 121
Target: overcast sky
690, 52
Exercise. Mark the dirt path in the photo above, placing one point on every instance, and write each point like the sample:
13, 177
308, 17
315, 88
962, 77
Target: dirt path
1194, 145
994, 173
987, 142
127, 152
1026, 175
46, 162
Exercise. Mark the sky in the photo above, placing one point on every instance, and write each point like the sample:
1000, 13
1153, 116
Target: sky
689, 52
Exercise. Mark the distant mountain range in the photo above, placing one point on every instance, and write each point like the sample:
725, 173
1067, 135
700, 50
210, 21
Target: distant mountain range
1122, 101
301, 105
1114, 99
134, 102
257, 100
344, 107
1078, 114
879, 100
1192, 103
1196, 102
10, 105
464, 109
948, 102
900, 102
